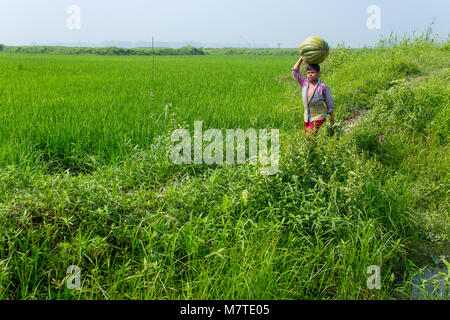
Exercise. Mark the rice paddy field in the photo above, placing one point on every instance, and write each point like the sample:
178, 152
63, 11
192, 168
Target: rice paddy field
86, 178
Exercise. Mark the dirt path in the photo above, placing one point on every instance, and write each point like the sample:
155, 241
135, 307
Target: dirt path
429, 281
358, 114
350, 122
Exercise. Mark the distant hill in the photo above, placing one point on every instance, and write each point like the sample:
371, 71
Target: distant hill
148, 44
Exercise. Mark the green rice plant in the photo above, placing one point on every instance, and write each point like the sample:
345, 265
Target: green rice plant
86, 178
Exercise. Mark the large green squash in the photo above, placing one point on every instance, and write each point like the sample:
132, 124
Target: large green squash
314, 50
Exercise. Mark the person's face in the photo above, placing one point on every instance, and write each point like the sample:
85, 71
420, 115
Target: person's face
312, 75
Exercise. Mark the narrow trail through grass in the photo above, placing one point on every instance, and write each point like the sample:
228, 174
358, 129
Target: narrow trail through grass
359, 113
425, 254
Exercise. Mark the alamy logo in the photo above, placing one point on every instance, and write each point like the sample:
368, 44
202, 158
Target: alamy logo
213, 153
74, 277
374, 20
74, 19
373, 281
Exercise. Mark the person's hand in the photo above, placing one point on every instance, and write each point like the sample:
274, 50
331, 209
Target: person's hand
332, 120
297, 65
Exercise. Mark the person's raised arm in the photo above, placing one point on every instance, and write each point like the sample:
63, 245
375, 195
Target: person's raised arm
297, 75
297, 65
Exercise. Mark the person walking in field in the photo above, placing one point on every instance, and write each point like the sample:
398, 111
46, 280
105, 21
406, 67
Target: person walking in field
314, 94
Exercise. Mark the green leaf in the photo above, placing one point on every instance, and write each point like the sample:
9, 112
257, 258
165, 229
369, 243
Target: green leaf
224, 202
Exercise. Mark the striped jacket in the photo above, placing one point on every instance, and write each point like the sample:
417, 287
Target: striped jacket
315, 109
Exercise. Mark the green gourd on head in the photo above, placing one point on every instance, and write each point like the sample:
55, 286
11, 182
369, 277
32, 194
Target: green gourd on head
314, 50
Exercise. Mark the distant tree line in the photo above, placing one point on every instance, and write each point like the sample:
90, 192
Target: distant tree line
107, 51
253, 51
115, 51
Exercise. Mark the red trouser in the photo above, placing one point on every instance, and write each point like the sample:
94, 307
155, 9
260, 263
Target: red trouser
309, 126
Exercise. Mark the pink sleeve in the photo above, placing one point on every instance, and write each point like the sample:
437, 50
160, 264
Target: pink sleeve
328, 99
300, 78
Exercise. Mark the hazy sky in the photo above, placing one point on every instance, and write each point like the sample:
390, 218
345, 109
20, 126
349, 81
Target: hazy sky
211, 21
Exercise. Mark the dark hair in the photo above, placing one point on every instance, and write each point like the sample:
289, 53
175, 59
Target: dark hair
313, 67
